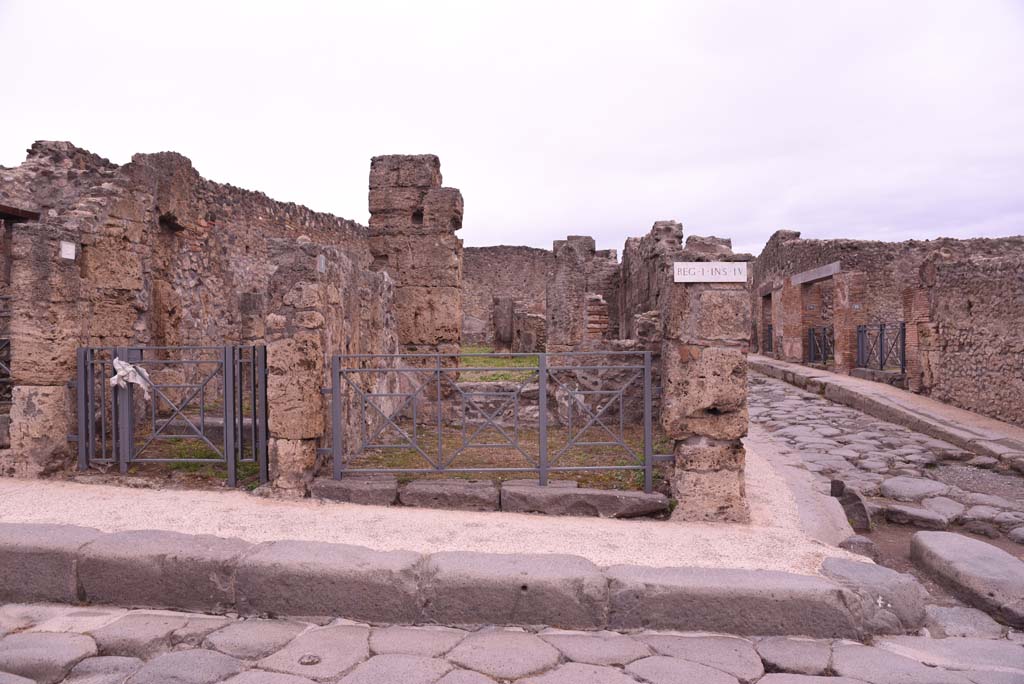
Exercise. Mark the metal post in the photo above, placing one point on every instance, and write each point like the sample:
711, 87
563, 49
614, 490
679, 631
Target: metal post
881, 346
648, 432
125, 418
440, 417
229, 412
903, 347
260, 415
337, 427
84, 407
542, 427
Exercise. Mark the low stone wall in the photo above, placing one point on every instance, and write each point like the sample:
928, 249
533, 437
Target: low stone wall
55, 563
520, 273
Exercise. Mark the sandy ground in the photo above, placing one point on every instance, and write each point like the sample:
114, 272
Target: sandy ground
773, 540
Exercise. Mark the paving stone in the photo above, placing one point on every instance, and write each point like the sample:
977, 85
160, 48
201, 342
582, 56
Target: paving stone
957, 621
982, 513
429, 642
399, 668
138, 635
194, 666
45, 657
37, 562
860, 545
1016, 535
795, 655
504, 654
911, 488
16, 617
253, 639
958, 653
316, 578
981, 529
161, 570
994, 677
918, 517
6, 678
948, 508
665, 670
744, 602
552, 482
728, 654
464, 677
463, 588
977, 499
1008, 520
604, 503
321, 654
897, 592
985, 576
261, 677
196, 628
597, 648
458, 494
579, 673
804, 679
103, 670
878, 666
80, 620
374, 491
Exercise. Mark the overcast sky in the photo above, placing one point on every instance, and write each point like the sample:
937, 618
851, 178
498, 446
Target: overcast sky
890, 119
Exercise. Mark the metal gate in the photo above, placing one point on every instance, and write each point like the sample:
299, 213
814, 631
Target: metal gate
423, 405
204, 405
820, 344
882, 346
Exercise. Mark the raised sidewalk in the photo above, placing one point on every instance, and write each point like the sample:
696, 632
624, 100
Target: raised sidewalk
970, 431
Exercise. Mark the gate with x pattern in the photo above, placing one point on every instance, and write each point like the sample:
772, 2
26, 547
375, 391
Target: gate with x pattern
194, 405
435, 413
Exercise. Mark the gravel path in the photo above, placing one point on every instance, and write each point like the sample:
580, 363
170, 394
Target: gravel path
55, 643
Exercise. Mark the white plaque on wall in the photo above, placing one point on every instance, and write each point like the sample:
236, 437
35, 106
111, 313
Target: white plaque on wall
710, 272
67, 249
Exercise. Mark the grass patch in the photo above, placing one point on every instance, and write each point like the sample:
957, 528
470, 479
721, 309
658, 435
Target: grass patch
504, 364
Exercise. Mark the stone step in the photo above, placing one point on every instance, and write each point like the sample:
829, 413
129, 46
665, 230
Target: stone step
583, 501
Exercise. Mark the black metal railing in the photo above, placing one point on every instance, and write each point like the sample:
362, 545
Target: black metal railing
882, 346
767, 341
821, 344
200, 405
553, 412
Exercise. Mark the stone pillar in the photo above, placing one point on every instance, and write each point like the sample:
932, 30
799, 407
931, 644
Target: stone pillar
412, 236
850, 288
791, 322
706, 336
503, 314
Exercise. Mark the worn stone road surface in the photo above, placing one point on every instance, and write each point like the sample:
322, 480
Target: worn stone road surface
50, 643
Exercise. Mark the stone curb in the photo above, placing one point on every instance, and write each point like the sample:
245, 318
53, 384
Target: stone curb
831, 386
156, 569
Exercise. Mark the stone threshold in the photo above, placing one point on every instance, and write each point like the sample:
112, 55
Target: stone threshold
970, 431
204, 573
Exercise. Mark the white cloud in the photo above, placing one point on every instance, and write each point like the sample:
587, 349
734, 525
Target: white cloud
837, 118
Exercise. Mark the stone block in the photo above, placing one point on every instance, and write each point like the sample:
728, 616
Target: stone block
428, 315
40, 422
560, 500
38, 562
291, 462
705, 391
253, 639
918, 517
703, 454
433, 260
295, 374
744, 602
321, 654
398, 667
709, 496
399, 201
466, 588
101, 670
161, 570
405, 170
597, 648
373, 491
195, 666
314, 578
724, 315
897, 592
665, 669
139, 635
795, 655
463, 495
504, 655
428, 642
45, 658
442, 209
957, 621
981, 574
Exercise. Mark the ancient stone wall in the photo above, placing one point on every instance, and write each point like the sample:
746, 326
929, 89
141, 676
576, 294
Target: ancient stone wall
412, 236
579, 269
487, 272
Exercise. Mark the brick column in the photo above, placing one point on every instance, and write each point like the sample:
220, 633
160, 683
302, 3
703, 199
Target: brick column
706, 335
790, 323
850, 288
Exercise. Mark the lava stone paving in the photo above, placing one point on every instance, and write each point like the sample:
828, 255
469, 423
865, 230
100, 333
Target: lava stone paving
50, 643
908, 477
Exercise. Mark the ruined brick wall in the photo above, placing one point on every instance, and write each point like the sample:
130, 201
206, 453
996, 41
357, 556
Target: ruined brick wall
965, 332
412, 236
162, 257
518, 272
646, 273
579, 269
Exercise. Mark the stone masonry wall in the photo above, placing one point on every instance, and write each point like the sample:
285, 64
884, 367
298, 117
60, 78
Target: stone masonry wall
579, 269
162, 257
517, 272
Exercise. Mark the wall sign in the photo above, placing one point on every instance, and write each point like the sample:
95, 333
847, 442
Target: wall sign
67, 249
710, 271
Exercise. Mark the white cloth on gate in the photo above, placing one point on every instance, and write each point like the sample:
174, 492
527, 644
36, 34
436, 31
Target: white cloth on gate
125, 373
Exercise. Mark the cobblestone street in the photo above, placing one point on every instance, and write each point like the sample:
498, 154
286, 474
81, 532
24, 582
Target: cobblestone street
907, 477
49, 643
